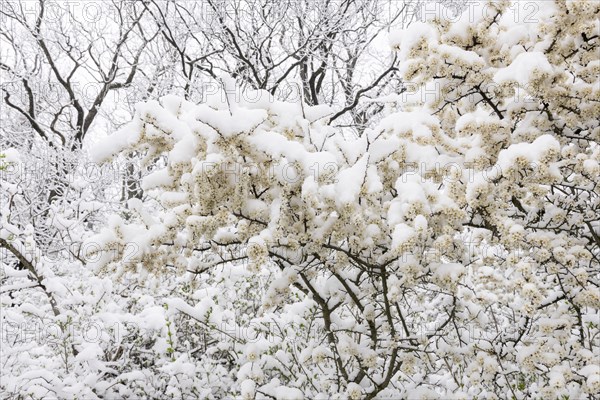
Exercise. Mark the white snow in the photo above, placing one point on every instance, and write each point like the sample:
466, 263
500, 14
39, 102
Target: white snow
452, 271
522, 68
117, 142
476, 118
157, 178
350, 181
402, 235
288, 393
454, 53
532, 152
405, 40
11, 155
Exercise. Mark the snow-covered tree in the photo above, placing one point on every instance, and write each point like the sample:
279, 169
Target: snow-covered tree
429, 231
450, 251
